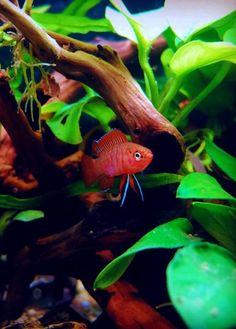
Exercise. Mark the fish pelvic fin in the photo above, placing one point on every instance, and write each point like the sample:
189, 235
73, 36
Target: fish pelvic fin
88, 170
136, 187
125, 181
132, 181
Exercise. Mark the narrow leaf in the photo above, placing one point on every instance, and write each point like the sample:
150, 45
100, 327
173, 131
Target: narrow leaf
29, 215
77, 188
67, 24
201, 186
224, 160
201, 283
196, 54
80, 7
5, 219
40, 9
156, 180
173, 234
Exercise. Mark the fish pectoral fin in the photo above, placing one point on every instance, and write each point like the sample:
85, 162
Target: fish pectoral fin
136, 187
105, 182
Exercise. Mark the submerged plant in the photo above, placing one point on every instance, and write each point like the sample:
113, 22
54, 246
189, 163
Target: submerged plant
195, 93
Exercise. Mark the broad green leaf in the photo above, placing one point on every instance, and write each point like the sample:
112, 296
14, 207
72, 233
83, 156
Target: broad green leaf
201, 186
186, 17
224, 160
201, 281
150, 23
65, 122
80, 7
67, 24
166, 56
218, 220
29, 215
196, 54
230, 36
224, 24
173, 234
97, 108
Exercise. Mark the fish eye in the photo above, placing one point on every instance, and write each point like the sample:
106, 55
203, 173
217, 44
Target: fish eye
137, 156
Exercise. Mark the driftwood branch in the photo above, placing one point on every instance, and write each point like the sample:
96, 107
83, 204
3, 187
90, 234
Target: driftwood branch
28, 144
101, 68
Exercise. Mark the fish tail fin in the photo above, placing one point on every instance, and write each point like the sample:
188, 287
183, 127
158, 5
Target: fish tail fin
88, 170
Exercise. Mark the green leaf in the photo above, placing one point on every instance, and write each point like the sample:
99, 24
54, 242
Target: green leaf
196, 54
150, 23
156, 180
75, 189
139, 28
52, 107
5, 219
166, 56
98, 109
218, 220
189, 16
40, 9
224, 24
173, 234
230, 36
224, 160
29, 215
65, 122
201, 283
80, 7
67, 24
201, 186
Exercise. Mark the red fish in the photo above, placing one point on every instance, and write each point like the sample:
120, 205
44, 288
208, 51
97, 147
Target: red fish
115, 156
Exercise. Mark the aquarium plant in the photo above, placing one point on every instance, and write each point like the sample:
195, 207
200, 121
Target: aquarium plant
181, 107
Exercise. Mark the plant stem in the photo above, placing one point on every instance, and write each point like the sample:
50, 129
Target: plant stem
149, 77
218, 78
144, 47
173, 89
28, 6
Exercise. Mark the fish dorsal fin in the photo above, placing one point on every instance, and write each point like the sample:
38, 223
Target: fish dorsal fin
107, 141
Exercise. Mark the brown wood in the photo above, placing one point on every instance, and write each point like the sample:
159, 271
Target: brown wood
28, 143
129, 311
101, 68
